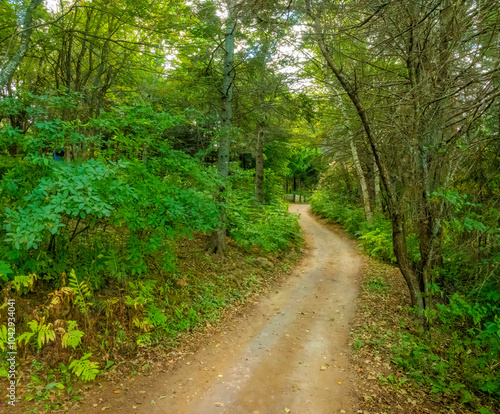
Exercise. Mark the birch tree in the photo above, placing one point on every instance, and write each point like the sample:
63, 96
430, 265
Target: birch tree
27, 29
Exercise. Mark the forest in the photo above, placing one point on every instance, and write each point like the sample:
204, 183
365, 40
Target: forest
150, 150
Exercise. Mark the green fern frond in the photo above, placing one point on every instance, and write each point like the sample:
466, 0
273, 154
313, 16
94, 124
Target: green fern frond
82, 292
3, 337
72, 337
84, 369
43, 332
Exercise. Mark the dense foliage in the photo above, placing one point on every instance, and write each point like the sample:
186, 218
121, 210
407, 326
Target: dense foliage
110, 126
128, 129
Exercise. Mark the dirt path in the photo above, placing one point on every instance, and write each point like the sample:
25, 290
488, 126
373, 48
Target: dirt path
291, 353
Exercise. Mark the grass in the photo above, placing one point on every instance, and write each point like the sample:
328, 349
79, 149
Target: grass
376, 284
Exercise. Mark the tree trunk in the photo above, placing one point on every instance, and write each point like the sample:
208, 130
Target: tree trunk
294, 188
362, 182
376, 185
259, 164
10, 68
218, 240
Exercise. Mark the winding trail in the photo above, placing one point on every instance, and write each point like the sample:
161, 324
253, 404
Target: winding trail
289, 353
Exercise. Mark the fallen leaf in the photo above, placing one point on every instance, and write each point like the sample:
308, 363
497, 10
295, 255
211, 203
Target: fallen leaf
104, 408
117, 391
323, 368
287, 410
219, 404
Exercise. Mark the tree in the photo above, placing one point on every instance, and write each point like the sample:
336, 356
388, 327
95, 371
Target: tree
415, 59
218, 240
27, 28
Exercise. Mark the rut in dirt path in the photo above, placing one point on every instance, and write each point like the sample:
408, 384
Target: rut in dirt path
290, 353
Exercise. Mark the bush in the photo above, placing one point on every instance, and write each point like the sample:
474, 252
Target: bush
100, 218
459, 354
269, 226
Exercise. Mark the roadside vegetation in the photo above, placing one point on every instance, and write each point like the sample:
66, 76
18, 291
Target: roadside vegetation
452, 352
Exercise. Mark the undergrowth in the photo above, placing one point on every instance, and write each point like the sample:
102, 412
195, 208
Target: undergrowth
458, 355
105, 260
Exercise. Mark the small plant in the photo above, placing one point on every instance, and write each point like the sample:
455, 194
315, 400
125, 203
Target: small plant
83, 368
358, 344
24, 284
39, 390
396, 382
82, 292
4, 338
41, 331
376, 284
72, 336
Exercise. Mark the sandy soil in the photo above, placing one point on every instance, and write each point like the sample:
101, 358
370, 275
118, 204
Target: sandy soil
290, 352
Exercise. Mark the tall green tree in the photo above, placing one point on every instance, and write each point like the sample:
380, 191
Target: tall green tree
427, 65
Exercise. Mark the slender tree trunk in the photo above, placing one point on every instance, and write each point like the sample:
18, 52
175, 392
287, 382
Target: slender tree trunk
259, 164
218, 240
67, 152
10, 68
362, 182
376, 186
294, 188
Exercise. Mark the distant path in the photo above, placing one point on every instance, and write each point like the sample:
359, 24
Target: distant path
289, 352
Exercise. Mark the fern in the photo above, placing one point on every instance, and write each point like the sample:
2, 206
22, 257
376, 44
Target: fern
82, 292
3, 337
26, 336
156, 316
144, 325
24, 284
43, 332
84, 369
72, 337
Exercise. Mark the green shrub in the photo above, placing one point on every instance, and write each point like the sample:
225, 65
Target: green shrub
269, 226
459, 354
377, 241
102, 219
376, 238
